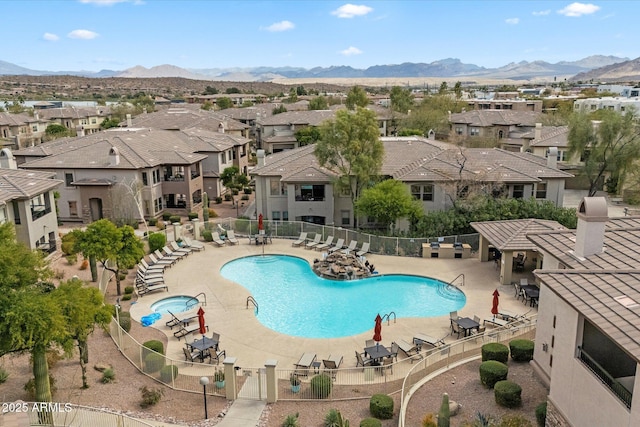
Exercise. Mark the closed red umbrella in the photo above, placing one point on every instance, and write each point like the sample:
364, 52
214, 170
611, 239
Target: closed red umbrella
494, 308
201, 323
377, 330
260, 223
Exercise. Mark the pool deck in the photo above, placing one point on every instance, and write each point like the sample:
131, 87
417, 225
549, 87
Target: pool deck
244, 337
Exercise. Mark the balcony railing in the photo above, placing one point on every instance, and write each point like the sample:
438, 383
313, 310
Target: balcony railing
174, 178
607, 379
38, 211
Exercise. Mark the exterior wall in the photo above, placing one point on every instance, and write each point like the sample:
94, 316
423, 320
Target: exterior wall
305, 208
31, 231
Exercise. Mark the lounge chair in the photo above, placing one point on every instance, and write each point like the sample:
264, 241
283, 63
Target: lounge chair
326, 245
331, 364
301, 239
173, 252
145, 289
339, 245
422, 339
497, 322
196, 246
149, 281
364, 249
304, 364
231, 237
409, 350
183, 332
148, 268
315, 242
216, 239
361, 360
177, 249
166, 256
175, 320
157, 261
351, 248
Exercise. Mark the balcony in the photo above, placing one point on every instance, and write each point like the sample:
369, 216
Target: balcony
614, 384
174, 178
38, 211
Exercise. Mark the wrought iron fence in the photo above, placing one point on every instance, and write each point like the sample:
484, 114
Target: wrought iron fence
69, 415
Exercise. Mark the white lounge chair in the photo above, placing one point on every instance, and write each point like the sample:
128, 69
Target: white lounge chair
338, 246
364, 249
315, 242
304, 364
177, 249
231, 237
216, 239
195, 245
301, 239
325, 245
351, 247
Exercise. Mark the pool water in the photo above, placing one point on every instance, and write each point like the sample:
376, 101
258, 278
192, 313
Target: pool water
293, 300
175, 304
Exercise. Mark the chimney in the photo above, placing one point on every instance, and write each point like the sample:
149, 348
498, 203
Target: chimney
431, 135
592, 217
114, 157
538, 132
7, 160
129, 120
220, 127
261, 157
552, 157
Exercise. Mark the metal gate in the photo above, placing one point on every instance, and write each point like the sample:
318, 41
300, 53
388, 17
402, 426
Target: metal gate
253, 384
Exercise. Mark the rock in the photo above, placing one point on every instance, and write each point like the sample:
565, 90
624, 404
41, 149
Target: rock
454, 408
101, 367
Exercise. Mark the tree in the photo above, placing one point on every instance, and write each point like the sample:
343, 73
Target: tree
56, 130
233, 179
110, 244
279, 109
318, 103
457, 89
387, 202
350, 146
209, 90
224, 103
444, 88
357, 97
83, 308
293, 96
109, 123
611, 148
307, 135
401, 99
231, 90
207, 106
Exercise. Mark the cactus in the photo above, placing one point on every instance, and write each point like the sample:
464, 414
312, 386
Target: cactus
205, 204
443, 415
342, 422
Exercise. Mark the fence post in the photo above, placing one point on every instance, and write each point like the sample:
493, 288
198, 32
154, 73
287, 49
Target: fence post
196, 228
231, 387
272, 380
177, 231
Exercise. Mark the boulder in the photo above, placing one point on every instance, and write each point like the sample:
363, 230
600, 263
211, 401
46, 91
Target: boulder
454, 408
101, 367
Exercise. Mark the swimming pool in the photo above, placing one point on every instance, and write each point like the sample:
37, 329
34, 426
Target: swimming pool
175, 304
293, 300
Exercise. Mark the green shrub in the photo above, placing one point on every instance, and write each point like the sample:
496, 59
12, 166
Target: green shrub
150, 396
72, 259
521, 350
248, 190
245, 197
166, 216
152, 222
192, 215
168, 373
371, 422
213, 214
514, 421
495, 351
125, 320
321, 386
108, 376
157, 241
291, 421
381, 406
508, 394
218, 200
127, 297
153, 362
122, 276
332, 418
175, 218
4, 375
207, 236
128, 290
228, 197
235, 192
154, 345
218, 376
493, 371
541, 414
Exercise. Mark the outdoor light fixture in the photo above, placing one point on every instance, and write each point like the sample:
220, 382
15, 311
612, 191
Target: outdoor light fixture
204, 381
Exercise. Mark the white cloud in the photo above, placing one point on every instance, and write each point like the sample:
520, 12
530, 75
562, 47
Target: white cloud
350, 10
82, 34
541, 12
350, 51
512, 21
50, 37
579, 9
280, 26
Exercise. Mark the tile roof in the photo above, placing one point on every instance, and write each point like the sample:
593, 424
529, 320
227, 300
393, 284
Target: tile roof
511, 235
487, 118
24, 184
73, 112
299, 118
556, 136
293, 164
184, 118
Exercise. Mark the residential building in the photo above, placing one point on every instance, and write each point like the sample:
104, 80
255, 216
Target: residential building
81, 120
27, 200
277, 132
238, 99
292, 185
21, 130
620, 104
587, 346
501, 103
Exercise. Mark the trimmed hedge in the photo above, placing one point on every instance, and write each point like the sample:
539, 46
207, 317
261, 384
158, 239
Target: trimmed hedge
154, 345
125, 320
168, 373
495, 351
321, 386
207, 236
508, 394
541, 414
157, 241
371, 422
521, 350
493, 371
193, 215
175, 218
381, 406
153, 362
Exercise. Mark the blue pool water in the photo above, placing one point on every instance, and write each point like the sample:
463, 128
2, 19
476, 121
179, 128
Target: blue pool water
293, 300
176, 304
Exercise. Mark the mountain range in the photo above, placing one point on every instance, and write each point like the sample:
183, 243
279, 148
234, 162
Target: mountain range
445, 68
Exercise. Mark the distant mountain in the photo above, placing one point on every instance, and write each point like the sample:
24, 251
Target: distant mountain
445, 68
623, 71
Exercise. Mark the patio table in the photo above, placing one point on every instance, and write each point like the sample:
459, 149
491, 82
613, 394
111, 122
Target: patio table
377, 352
467, 324
203, 344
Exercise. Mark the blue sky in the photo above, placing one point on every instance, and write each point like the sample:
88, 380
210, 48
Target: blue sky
119, 34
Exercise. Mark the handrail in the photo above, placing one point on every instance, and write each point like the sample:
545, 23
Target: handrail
252, 300
456, 278
606, 378
205, 298
388, 317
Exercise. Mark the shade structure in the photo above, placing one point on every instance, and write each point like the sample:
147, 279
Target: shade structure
201, 323
494, 308
260, 223
377, 330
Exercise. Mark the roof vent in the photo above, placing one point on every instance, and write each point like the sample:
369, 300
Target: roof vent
114, 157
626, 301
7, 160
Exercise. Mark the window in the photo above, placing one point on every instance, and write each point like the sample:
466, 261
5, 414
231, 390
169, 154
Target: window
541, 190
275, 215
34, 128
93, 120
68, 179
73, 209
16, 212
422, 192
84, 122
223, 157
585, 155
156, 176
474, 131
277, 188
145, 179
518, 191
285, 215
346, 217
458, 130
309, 193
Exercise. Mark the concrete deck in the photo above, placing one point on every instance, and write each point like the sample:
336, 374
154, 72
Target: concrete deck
244, 337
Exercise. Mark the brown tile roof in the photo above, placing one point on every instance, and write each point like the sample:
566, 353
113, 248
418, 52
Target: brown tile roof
556, 136
184, 118
511, 235
24, 184
299, 118
487, 118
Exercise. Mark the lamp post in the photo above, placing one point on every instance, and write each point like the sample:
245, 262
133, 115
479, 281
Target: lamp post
204, 381
237, 212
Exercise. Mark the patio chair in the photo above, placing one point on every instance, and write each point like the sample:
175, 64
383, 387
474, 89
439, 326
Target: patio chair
453, 315
315, 242
409, 350
175, 320
166, 255
157, 261
387, 364
369, 343
364, 249
301, 239
217, 356
339, 244
351, 248
180, 250
190, 356
455, 328
145, 289
327, 244
304, 364
331, 364
362, 361
231, 237
481, 328
216, 239
196, 246
394, 351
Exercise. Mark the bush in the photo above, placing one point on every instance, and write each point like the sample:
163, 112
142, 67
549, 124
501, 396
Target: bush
67, 243
291, 421
4, 375
85, 264
152, 222
370, 422
122, 276
508, 394
157, 241
125, 320
213, 214
218, 376
332, 418
248, 190
192, 215
228, 197
128, 290
206, 235
381, 406
495, 351
160, 226
30, 387
127, 297
429, 421
168, 373
108, 376
245, 197
514, 421
218, 200
175, 218
493, 371
235, 192
321, 386
521, 350
150, 396
153, 362
154, 345
166, 216
541, 414
72, 259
